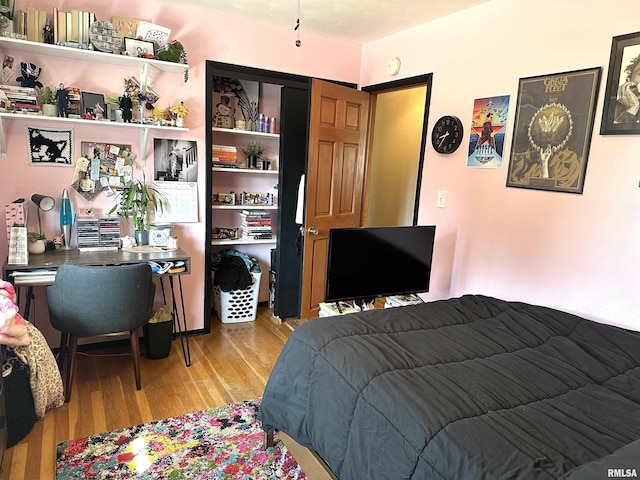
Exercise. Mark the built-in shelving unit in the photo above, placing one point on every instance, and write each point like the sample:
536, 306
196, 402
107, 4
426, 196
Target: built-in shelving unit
77, 54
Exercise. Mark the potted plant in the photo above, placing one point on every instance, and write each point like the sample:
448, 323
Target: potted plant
136, 202
48, 99
37, 243
253, 152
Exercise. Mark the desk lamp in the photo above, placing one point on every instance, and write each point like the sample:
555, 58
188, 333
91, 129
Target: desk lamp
43, 203
66, 219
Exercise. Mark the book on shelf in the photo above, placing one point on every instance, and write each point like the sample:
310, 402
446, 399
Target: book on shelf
331, 309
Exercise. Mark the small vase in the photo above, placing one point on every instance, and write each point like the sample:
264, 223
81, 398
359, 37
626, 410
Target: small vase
141, 236
36, 247
179, 122
49, 110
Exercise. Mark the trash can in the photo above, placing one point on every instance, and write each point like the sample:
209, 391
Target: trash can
158, 334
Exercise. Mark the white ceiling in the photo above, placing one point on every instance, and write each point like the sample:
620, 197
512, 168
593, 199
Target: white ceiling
358, 20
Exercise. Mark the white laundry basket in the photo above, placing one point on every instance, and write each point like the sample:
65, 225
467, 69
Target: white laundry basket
238, 305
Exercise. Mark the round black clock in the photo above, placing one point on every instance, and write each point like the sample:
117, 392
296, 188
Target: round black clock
446, 135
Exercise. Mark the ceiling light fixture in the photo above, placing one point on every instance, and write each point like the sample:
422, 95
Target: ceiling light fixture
297, 27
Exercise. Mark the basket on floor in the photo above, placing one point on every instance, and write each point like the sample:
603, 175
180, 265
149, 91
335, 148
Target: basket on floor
238, 305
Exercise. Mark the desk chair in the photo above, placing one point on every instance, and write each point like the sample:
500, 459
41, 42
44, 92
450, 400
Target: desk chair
88, 301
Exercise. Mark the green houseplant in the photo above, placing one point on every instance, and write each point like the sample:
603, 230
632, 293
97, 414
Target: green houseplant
253, 152
47, 96
37, 243
136, 202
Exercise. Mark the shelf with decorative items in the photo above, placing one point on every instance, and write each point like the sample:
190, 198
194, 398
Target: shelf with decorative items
78, 54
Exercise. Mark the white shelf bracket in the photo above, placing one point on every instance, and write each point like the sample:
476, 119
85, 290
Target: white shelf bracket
144, 135
3, 140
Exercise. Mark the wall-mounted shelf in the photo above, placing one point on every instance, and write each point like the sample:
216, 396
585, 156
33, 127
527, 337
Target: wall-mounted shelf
240, 241
90, 55
143, 127
244, 207
249, 133
244, 170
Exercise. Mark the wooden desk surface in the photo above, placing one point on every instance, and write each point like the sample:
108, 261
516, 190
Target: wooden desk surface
53, 259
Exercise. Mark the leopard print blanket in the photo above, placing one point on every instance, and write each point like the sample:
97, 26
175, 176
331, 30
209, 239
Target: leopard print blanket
44, 376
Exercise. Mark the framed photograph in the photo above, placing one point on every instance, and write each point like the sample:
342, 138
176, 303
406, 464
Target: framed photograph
50, 147
621, 112
175, 159
552, 131
138, 48
93, 105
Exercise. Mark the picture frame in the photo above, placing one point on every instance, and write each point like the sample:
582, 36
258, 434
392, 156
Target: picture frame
175, 159
137, 48
93, 105
552, 131
621, 110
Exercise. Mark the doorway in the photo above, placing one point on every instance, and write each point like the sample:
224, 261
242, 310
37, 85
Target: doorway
397, 139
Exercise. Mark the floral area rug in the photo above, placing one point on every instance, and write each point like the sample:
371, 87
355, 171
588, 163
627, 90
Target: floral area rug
220, 443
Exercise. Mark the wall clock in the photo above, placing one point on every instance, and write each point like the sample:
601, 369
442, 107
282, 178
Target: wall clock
446, 135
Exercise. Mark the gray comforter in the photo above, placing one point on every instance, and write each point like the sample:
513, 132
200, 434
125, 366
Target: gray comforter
461, 389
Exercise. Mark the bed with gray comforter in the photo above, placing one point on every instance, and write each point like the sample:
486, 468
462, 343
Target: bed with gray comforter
466, 388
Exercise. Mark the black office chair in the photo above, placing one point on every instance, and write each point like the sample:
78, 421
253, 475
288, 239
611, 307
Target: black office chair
89, 301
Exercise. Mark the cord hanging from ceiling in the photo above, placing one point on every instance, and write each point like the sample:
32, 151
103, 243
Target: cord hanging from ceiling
297, 27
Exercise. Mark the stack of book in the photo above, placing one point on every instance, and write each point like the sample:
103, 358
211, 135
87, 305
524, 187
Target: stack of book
331, 309
256, 224
22, 99
401, 300
224, 155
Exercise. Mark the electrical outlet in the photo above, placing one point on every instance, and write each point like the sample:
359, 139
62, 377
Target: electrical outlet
442, 198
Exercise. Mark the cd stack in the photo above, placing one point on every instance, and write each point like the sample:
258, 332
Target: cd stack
98, 233
256, 224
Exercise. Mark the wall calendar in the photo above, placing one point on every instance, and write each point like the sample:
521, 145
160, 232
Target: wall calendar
183, 202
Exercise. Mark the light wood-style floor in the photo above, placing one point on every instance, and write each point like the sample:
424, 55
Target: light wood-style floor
230, 364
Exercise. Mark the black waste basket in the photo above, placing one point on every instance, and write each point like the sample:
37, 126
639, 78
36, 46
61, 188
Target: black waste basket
157, 339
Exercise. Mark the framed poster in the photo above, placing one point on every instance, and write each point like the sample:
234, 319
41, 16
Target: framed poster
621, 112
552, 131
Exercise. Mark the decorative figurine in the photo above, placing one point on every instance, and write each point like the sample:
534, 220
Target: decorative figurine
126, 104
62, 99
47, 34
30, 73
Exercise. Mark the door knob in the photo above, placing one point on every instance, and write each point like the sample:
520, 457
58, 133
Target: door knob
312, 231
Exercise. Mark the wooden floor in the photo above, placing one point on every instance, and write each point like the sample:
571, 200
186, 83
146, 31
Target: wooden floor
230, 364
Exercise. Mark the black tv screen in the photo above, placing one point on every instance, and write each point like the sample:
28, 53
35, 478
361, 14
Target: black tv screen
378, 261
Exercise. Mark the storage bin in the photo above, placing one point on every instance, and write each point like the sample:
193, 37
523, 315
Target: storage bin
238, 305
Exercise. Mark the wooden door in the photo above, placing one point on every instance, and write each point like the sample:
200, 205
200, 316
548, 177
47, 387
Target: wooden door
335, 178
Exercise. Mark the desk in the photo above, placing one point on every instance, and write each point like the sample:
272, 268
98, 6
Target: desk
41, 271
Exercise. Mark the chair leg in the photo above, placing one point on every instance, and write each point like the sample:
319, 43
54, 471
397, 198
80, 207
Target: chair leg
73, 346
62, 353
135, 351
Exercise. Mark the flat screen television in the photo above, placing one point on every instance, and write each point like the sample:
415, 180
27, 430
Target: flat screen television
378, 262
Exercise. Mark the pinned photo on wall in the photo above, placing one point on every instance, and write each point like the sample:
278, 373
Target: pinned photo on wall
50, 146
175, 160
487, 133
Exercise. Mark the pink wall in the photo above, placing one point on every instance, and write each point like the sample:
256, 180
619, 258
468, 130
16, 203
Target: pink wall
205, 36
574, 252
